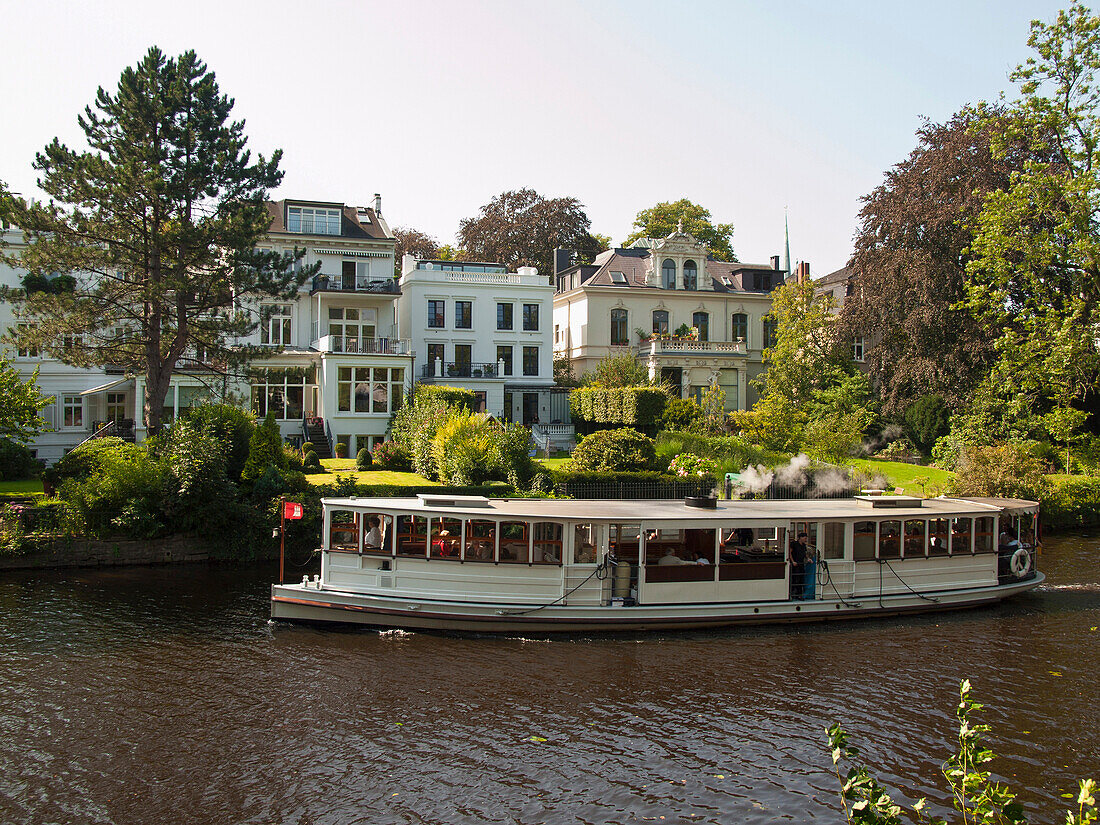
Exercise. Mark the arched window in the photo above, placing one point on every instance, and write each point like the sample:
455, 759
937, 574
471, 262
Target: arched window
660, 321
691, 275
619, 334
739, 328
668, 274
701, 321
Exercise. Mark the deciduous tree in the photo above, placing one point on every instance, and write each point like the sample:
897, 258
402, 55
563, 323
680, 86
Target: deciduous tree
159, 221
20, 403
661, 220
522, 228
413, 242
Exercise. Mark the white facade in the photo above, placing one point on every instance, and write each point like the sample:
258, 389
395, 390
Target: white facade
478, 326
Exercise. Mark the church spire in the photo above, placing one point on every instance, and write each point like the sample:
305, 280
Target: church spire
786, 243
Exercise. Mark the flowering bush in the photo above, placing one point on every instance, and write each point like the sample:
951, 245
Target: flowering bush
392, 456
689, 464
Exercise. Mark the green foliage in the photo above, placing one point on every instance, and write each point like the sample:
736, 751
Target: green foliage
927, 420
265, 446
563, 371
16, 461
82, 461
681, 414
231, 426
775, 422
115, 488
661, 220
1071, 503
414, 426
838, 416
614, 450
11, 529
311, 463
612, 371
689, 464
1008, 470
731, 453
20, 402
307, 446
637, 407
363, 459
509, 456
460, 448
974, 795
392, 456
341, 449
196, 489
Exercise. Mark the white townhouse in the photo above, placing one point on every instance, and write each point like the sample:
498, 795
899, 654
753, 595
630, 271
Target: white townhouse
694, 321
338, 369
478, 326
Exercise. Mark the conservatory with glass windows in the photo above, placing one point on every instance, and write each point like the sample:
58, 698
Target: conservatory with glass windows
535, 565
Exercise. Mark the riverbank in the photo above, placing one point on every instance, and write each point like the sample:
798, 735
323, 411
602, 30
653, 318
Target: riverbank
66, 551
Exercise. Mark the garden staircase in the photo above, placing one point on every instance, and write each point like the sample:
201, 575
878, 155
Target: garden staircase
318, 437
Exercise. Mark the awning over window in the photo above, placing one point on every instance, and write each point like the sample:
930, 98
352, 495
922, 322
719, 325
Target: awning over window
347, 253
110, 385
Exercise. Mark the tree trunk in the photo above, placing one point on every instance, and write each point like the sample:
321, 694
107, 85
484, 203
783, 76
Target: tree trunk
157, 384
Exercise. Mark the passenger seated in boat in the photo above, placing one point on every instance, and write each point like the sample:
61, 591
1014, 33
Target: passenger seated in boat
586, 553
670, 557
373, 539
701, 559
1007, 541
445, 545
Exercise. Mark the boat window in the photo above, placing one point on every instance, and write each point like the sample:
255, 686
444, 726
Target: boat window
889, 540
675, 555
446, 538
547, 542
832, 540
752, 553
515, 542
983, 535
584, 544
938, 529
960, 536
481, 540
412, 536
807, 527
863, 541
377, 534
625, 539
344, 532
915, 530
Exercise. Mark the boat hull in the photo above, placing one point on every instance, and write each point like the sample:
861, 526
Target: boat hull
311, 604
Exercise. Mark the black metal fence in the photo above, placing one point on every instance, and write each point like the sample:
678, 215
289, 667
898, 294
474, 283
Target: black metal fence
634, 489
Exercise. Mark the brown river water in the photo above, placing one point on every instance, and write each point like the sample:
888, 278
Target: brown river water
164, 695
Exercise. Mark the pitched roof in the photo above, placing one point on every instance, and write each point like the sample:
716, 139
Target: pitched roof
351, 226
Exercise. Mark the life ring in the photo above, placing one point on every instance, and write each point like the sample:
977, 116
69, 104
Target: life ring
1020, 563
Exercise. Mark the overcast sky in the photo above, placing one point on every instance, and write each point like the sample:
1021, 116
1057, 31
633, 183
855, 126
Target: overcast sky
745, 107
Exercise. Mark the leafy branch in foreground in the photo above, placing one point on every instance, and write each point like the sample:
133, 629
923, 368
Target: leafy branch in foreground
978, 799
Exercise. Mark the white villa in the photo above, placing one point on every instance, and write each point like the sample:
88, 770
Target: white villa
634, 300
478, 326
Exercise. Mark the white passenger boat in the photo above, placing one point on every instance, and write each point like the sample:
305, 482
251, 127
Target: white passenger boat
544, 566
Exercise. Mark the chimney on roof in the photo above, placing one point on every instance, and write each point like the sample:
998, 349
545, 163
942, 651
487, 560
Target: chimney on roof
563, 258
377, 204
775, 262
803, 272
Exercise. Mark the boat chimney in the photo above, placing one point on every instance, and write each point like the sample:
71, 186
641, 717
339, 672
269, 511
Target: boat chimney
702, 502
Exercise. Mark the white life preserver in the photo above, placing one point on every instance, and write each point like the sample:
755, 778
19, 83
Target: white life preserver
1020, 563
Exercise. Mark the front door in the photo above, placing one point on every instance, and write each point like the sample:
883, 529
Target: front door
530, 408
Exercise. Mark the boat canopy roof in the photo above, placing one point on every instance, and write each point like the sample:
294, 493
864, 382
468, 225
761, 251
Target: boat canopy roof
615, 511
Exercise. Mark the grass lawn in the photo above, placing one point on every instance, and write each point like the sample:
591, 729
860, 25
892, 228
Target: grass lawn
366, 476
26, 485
553, 463
900, 474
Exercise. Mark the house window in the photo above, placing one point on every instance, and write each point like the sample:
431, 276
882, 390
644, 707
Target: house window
660, 321
116, 406
701, 321
282, 395
668, 274
771, 332
72, 411
691, 275
354, 274
464, 356
349, 335
366, 390
310, 221
557, 334
619, 334
436, 352
275, 325
504, 316
739, 327
436, 314
531, 317
26, 351
857, 348
464, 314
505, 354
530, 360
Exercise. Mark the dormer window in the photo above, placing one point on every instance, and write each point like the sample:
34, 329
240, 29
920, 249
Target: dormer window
618, 278
312, 221
691, 275
668, 274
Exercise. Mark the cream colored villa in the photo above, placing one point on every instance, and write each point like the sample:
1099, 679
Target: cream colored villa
693, 320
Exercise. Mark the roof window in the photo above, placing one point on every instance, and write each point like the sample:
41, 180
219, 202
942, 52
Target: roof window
617, 277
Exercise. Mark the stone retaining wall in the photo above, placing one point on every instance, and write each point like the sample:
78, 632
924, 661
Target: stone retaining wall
67, 552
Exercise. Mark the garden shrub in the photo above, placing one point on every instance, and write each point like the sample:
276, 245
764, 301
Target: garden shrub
122, 493
689, 464
16, 461
451, 396
231, 426
307, 446
81, 462
731, 453
341, 449
461, 448
595, 408
927, 420
196, 487
311, 463
1072, 503
414, 426
363, 459
265, 446
611, 450
509, 456
1008, 470
681, 414
392, 456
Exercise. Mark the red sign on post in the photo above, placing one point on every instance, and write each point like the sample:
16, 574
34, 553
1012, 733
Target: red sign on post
292, 510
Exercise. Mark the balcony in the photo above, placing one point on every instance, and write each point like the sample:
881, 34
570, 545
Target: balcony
683, 346
357, 285
362, 346
460, 369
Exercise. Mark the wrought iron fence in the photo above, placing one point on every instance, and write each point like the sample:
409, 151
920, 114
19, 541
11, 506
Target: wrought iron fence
634, 489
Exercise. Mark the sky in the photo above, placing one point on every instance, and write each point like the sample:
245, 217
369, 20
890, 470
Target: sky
752, 109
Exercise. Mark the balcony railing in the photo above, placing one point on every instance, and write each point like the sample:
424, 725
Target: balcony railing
671, 346
460, 369
366, 346
338, 283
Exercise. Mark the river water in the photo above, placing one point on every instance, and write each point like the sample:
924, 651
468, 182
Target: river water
164, 695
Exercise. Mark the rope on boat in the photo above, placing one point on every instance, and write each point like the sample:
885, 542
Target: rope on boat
829, 581
886, 562
600, 573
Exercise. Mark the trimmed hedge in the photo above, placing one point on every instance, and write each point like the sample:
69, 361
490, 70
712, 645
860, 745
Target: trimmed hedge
595, 408
453, 396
